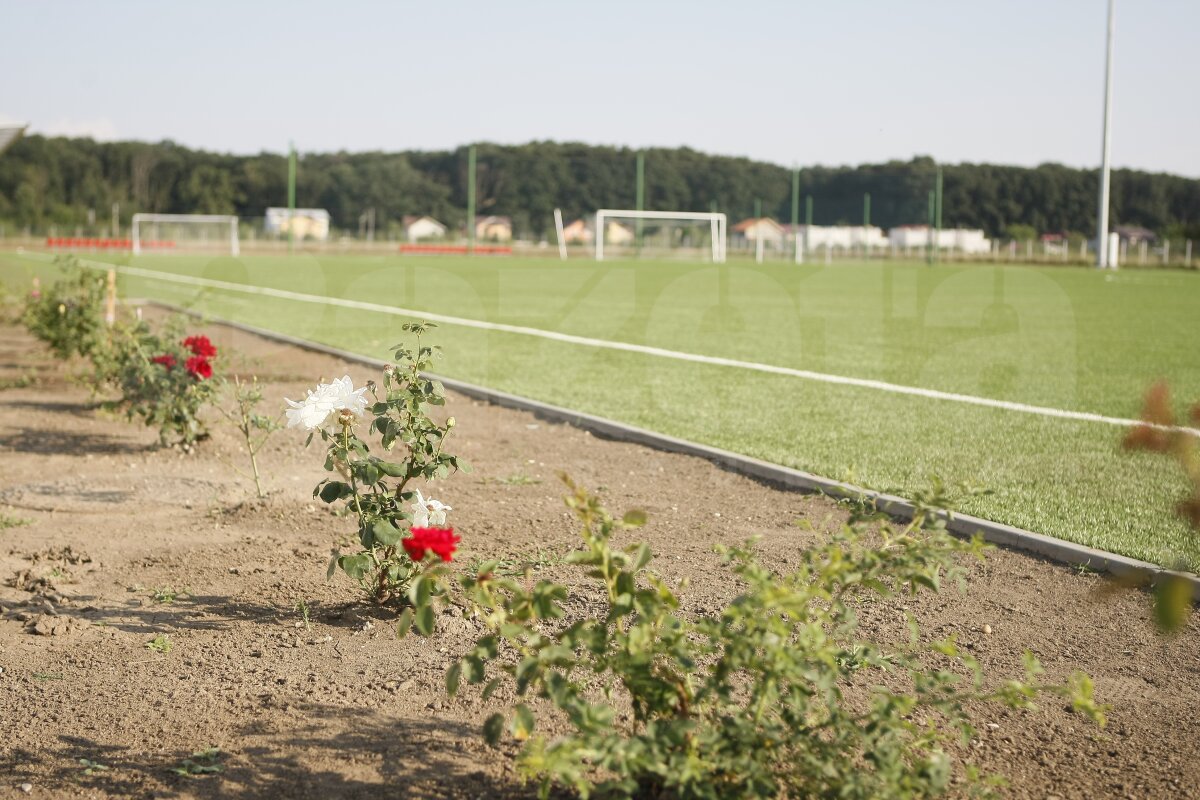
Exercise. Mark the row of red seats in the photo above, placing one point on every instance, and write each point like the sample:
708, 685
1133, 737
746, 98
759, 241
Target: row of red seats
454, 249
76, 243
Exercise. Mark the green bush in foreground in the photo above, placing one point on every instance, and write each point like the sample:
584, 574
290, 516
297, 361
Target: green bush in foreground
777, 695
68, 316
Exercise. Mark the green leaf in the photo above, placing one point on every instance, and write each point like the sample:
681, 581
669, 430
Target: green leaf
453, 676
642, 558
420, 591
369, 473
1172, 602
635, 518
474, 669
355, 566
334, 491
385, 532
522, 722
404, 624
492, 728
491, 688
392, 469
425, 621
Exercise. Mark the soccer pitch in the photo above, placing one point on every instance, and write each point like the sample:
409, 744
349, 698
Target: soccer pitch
1060, 339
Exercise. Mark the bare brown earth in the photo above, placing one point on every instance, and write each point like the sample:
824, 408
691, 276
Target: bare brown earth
339, 707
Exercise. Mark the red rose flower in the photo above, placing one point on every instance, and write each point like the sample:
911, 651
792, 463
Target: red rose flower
440, 541
199, 367
200, 345
166, 359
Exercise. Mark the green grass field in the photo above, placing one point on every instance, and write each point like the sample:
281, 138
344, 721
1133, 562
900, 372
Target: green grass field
1067, 338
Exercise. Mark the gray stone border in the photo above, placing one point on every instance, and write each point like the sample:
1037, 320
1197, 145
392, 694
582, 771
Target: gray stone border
1057, 550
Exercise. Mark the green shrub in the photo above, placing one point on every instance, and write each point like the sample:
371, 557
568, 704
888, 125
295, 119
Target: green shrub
777, 695
397, 526
164, 380
69, 315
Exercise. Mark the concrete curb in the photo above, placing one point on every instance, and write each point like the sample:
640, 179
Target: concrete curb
1057, 550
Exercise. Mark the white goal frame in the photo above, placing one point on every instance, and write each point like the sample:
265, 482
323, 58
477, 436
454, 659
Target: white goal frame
717, 222
228, 219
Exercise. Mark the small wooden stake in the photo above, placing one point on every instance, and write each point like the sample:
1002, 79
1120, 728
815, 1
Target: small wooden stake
110, 302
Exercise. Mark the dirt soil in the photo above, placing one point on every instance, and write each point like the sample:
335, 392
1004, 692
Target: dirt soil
95, 519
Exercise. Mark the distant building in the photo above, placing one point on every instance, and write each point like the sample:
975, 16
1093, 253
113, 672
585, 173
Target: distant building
963, 240
418, 228
303, 223
578, 232
845, 237
493, 229
1135, 234
617, 233
752, 229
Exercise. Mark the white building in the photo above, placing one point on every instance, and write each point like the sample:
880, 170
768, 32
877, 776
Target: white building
304, 223
578, 232
617, 233
840, 237
418, 228
962, 240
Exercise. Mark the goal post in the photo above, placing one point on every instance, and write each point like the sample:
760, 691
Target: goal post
716, 221
178, 232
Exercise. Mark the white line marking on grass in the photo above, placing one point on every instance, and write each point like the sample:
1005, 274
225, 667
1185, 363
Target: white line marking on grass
677, 355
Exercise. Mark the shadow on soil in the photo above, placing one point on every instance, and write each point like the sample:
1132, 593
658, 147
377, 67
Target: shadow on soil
214, 612
57, 442
334, 752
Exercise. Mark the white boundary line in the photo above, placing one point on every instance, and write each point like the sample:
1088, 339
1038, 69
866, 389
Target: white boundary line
677, 355
1059, 550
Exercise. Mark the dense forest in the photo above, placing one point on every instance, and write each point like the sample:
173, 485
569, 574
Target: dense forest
65, 182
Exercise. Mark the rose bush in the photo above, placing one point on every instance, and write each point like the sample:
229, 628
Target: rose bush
163, 379
397, 525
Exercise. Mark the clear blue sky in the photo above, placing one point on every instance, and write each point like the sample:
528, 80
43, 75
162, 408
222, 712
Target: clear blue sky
833, 82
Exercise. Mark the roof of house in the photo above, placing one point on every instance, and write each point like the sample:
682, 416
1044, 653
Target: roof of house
749, 223
410, 219
1134, 232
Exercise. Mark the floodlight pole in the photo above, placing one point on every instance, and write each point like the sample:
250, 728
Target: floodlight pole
808, 216
471, 199
1102, 255
867, 224
796, 209
929, 229
291, 195
938, 213
641, 197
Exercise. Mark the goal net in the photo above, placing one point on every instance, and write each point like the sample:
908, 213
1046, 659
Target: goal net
190, 233
658, 234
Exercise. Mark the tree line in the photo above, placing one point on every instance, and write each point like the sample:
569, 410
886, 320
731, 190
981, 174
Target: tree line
51, 181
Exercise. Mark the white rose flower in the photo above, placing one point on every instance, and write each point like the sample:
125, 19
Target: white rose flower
428, 513
327, 399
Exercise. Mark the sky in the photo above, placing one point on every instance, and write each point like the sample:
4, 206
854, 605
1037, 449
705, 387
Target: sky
834, 82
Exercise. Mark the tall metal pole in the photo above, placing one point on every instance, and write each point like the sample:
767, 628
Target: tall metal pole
808, 211
929, 238
291, 195
1102, 258
471, 199
796, 207
938, 214
641, 196
867, 224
